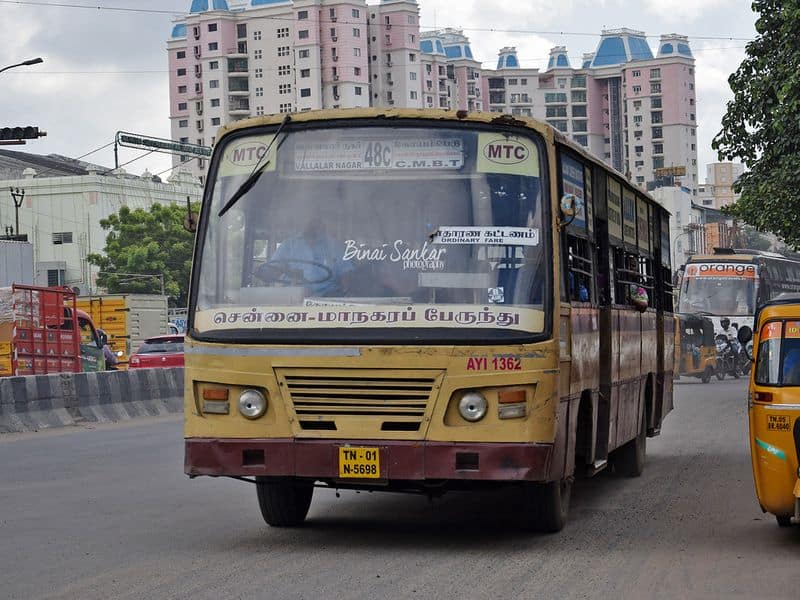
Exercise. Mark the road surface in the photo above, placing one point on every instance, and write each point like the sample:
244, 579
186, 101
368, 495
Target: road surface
106, 512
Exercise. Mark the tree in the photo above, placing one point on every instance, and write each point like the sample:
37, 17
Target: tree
761, 125
147, 242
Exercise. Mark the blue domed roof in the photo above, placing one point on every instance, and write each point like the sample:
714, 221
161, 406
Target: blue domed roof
621, 48
199, 6
179, 31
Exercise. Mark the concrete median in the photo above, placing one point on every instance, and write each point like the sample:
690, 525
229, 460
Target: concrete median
47, 401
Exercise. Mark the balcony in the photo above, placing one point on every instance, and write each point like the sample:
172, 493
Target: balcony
239, 51
239, 109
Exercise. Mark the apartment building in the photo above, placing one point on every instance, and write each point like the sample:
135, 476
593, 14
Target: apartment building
240, 58
717, 191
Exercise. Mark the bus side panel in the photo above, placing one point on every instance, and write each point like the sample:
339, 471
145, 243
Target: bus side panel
630, 376
585, 371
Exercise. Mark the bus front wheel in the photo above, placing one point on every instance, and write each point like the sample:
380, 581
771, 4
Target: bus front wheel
547, 505
284, 502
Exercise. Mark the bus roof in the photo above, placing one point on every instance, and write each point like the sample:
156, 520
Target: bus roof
548, 132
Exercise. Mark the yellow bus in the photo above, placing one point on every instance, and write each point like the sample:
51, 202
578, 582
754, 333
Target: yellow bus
422, 301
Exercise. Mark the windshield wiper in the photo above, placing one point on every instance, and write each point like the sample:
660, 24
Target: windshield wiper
255, 174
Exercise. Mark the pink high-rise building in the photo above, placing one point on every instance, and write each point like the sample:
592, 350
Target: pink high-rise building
234, 59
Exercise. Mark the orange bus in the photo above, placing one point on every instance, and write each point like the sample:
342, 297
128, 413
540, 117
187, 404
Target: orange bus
419, 300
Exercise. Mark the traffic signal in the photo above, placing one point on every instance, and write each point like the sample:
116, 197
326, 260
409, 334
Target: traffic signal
20, 133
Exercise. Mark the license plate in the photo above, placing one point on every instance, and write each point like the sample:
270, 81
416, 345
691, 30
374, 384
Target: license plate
359, 463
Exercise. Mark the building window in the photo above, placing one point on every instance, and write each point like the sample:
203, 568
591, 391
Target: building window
257, 35
285, 108
523, 81
258, 73
655, 73
214, 64
637, 89
577, 111
181, 72
183, 123
212, 26
285, 88
241, 31
412, 57
412, 76
658, 133
182, 106
213, 47
181, 89
302, 15
658, 163
356, 32
184, 140
357, 90
655, 88
214, 83
303, 34
637, 119
578, 81
259, 92
258, 54
655, 102
283, 32
636, 73
357, 71
215, 121
259, 110
305, 73
582, 140
412, 39
413, 95
691, 117
638, 149
305, 92
356, 13
512, 81
180, 54
656, 116
303, 53
63, 237
215, 102
356, 51
284, 69
658, 148
578, 96
283, 50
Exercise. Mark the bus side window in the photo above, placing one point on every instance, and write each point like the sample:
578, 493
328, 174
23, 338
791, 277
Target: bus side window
579, 269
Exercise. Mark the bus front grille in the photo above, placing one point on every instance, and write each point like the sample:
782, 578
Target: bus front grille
373, 403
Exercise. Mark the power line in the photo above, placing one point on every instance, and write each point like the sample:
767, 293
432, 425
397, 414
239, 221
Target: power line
346, 22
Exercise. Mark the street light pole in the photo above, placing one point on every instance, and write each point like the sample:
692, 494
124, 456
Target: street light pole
18, 195
24, 63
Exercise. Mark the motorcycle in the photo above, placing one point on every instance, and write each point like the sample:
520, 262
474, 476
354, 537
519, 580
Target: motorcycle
728, 358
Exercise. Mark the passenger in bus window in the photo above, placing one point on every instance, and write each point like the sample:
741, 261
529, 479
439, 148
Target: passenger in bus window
312, 259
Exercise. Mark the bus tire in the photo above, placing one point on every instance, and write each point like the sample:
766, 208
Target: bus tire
783, 520
547, 505
629, 459
284, 502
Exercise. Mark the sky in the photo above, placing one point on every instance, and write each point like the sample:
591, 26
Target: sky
105, 61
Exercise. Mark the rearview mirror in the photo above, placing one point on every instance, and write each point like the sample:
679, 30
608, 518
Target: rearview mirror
569, 207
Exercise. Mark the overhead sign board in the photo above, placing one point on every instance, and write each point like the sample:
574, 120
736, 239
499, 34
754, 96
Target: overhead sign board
133, 140
671, 171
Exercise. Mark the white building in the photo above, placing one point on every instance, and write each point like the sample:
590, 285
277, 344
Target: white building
62, 208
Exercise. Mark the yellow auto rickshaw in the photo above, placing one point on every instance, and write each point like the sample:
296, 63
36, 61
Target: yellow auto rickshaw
774, 406
696, 352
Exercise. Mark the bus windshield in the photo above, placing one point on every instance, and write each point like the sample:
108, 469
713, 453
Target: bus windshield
385, 233
724, 289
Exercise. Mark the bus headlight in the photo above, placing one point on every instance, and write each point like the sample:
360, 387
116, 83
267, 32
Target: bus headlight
252, 404
472, 406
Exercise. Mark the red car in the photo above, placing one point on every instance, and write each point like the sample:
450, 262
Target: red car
158, 351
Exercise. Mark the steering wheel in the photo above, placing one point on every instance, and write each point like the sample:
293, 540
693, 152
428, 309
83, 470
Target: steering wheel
288, 268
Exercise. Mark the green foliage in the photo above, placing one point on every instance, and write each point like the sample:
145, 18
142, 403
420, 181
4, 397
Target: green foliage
147, 242
761, 125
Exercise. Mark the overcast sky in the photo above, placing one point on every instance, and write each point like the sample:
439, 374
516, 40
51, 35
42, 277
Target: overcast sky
106, 70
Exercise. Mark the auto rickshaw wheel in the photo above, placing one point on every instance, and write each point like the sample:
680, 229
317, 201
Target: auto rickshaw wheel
783, 521
706, 376
719, 372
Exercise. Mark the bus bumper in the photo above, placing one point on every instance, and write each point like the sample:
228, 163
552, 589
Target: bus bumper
400, 460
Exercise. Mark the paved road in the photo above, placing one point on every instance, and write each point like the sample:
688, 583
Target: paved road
107, 513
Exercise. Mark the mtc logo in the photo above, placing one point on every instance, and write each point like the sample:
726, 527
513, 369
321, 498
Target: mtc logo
247, 154
506, 152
